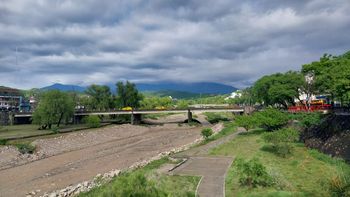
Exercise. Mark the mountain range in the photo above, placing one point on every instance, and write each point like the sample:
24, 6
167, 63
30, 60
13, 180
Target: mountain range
193, 88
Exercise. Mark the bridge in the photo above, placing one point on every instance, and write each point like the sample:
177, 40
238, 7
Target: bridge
136, 115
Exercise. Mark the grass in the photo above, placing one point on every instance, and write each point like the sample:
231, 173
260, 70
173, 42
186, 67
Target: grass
157, 116
27, 130
14, 131
215, 117
23, 134
229, 128
172, 185
304, 173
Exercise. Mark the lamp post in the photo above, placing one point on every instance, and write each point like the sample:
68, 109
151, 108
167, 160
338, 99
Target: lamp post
309, 78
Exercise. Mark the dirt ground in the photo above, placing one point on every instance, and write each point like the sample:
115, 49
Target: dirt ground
77, 157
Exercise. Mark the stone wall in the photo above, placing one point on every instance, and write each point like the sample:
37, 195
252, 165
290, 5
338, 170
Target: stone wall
331, 137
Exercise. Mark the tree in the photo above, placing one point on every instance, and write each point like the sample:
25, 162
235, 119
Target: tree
271, 119
332, 76
100, 97
279, 88
182, 104
128, 95
54, 107
245, 121
154, 102
322, 82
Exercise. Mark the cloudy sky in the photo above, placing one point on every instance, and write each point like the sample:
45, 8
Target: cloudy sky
104, 41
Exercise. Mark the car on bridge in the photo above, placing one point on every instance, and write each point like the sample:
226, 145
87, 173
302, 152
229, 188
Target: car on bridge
127, 108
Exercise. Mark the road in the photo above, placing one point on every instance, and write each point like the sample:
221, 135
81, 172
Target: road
75, 166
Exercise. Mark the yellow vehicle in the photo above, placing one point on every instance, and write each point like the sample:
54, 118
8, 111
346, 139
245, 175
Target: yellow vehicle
317, 102
160, 108
127, 108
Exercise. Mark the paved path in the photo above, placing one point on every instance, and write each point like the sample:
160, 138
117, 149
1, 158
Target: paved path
213, 172
212, 168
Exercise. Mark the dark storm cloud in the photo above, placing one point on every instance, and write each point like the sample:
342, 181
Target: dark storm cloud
227, 41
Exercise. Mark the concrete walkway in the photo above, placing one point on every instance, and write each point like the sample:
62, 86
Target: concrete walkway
213, 172
212, 169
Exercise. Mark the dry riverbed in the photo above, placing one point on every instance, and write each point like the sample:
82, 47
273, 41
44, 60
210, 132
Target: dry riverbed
77, 157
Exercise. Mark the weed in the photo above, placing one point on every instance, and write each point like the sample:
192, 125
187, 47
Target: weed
25, 148
207, 132
339, 185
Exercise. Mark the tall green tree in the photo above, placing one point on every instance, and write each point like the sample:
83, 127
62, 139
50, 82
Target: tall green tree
322, 76
54, 108
128, 95
100, 97
332, 76
279, 88
154, 102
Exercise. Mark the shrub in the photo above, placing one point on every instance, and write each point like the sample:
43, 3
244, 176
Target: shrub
3, 141
281, 140
307, 120
247, 122
25, 148
138, 185
271, 119
310, 119
207, 132
92, 121
340, 185
253, 173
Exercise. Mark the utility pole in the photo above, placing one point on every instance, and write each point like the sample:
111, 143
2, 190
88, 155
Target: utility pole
309, 80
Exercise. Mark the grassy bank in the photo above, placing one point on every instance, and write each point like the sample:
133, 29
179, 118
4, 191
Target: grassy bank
21, 131
215, 117
147, 181
305, 173
29, 130
157, 116
229, 128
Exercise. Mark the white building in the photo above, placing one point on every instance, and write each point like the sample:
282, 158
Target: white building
236, 94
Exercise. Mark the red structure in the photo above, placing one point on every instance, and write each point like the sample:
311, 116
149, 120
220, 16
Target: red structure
314, 107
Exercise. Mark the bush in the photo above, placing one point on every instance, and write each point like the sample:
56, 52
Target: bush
92, 121
3, 141
281, 140
25, 148
271, 119
247, 122
307, 120
253, 173
310, 120
207, 132
135, 185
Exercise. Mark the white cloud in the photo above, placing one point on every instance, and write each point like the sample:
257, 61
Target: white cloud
232, 42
